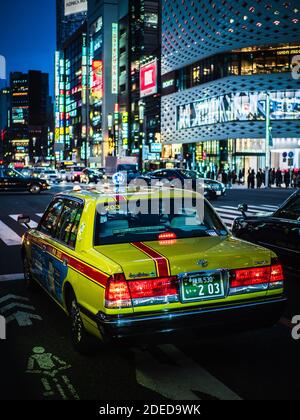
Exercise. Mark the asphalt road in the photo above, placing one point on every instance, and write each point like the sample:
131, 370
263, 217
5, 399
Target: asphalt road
37, 360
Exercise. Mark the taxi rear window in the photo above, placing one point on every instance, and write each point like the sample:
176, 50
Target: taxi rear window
119, 223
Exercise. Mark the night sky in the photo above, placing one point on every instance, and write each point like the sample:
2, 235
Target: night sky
28, 35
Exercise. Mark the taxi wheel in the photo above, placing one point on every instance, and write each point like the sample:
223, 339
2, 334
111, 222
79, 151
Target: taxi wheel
82, 341
29, 282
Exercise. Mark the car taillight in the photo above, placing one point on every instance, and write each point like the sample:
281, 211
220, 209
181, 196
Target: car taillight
117, 293
250, 276
155, 291
256, 276
123, 294
166, 286
276, 273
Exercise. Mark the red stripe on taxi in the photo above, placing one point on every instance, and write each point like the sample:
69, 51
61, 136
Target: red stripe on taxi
83, 268
162, 263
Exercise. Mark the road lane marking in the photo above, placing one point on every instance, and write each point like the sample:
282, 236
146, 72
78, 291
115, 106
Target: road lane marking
178, 376
32, 224
270, 207
39, 214
8, 236
11, 277
227, 212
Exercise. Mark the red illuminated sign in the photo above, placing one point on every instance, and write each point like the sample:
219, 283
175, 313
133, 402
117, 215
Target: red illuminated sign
97, 85
148, 79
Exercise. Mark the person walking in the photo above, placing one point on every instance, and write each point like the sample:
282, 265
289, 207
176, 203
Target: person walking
251, 179
259, 178
241, 177
298, 180
287, 178
272, 177
278, 178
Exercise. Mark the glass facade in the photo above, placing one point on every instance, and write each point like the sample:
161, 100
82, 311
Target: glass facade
245, 62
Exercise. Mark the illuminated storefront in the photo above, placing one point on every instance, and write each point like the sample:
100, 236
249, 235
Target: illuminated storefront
216, 81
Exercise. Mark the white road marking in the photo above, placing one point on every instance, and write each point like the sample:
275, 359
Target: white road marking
8, 236
39, 214
222, 210
177, 380
32, 224
11, 277
270, 207
235, 211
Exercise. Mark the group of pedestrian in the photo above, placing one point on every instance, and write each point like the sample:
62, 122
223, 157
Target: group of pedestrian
277, 177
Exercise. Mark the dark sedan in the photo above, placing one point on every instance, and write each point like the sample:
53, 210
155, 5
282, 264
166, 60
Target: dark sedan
212, 189
13, 181
279, 231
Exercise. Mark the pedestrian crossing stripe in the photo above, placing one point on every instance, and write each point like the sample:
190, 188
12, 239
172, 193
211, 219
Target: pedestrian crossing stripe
228, 214
32, 224
8, 236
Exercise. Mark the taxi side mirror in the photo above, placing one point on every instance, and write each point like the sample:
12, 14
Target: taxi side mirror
24, 220
243, 208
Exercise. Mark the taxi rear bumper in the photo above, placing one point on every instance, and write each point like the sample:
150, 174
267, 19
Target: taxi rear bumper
206, 321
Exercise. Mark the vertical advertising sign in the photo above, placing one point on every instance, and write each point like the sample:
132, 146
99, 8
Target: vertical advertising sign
115, 59
148, 79
97, 85
75, 6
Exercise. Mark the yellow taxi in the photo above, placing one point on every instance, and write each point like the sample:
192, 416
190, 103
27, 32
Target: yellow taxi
147, 265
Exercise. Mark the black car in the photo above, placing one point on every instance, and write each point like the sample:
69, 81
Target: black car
279, 231
91, 175
212, 189
13, 181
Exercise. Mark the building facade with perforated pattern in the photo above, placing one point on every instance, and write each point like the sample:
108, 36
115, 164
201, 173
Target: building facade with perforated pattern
221, 61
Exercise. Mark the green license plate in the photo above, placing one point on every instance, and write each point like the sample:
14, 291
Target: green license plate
202, 286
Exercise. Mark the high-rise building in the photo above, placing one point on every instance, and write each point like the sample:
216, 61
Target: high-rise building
102, 78
4, 120
86, 86
66, 24
226, 66
71, 92
139, 60
29, 124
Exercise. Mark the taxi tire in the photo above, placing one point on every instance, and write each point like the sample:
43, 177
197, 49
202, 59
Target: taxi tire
29, 282
82, 341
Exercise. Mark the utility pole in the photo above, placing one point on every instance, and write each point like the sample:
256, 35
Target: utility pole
268, 140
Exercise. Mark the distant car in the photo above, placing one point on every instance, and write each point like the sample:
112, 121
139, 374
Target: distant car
13, 181
27, 172
212, 189
278, 231
90, 175
74, 174
50, 174
62, 175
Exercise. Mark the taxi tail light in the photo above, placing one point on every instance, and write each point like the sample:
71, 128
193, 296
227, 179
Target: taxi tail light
117, 293
165, 286
124, 294
257, 275
277, 274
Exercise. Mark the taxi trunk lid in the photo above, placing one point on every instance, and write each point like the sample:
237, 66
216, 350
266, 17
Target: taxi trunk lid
171, 258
